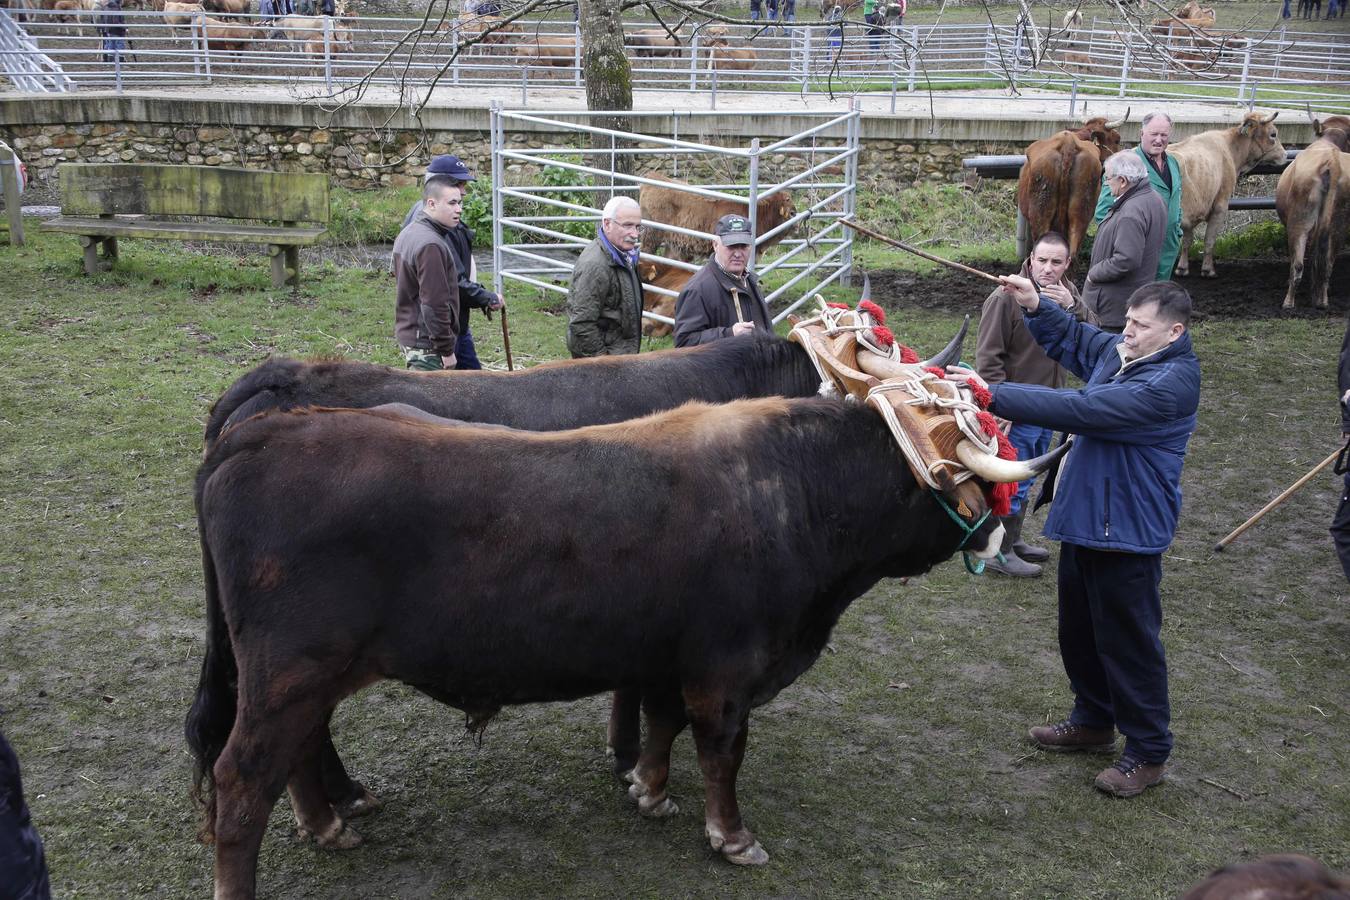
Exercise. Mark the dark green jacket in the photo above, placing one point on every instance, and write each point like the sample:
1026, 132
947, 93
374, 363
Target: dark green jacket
604, 305
1171, 199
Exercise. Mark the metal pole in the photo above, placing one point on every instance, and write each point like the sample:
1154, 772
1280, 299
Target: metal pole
117, 68
851, 178
1246, 69
754, 201
455, 38
693, 62
1125, 67
328, 53
806, 57
712, 87
1073, 95
576, 52
206, 50
524, 85
913, 55
495, 139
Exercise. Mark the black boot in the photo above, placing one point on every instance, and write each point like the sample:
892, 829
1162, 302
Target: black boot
1012, 564
1026, 551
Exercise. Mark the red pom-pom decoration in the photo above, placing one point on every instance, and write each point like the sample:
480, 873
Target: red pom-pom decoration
934, 370
989, 425
883, 336
907, 355
981, 395
873, 310
837, 305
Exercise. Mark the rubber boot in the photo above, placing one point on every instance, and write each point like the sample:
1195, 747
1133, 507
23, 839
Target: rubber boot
1021, 548
1012, 564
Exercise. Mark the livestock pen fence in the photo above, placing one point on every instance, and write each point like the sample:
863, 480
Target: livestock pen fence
68, 51
546, 202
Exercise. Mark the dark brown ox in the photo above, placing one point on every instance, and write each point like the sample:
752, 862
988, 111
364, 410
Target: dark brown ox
672, 206
317, 587
1284, 876
1313, 200
1058, 186
1211, 163
651, 42
597, 391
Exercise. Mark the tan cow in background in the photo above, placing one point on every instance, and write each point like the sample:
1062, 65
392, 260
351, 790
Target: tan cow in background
1211, 163
672, 206
1313, 200
662, 275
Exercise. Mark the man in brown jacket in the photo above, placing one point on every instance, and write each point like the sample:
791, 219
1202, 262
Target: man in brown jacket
426, 312
1006, 351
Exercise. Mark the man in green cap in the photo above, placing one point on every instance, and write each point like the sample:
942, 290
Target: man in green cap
723, 299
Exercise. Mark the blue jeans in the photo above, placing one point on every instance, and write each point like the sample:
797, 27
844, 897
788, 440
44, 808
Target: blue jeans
466, 357
1031, 441
1110, 623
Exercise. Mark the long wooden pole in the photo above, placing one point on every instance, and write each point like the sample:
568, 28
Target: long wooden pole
917, 252
506, 342
1276, 502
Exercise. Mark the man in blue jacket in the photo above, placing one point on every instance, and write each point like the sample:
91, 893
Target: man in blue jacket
1119, 497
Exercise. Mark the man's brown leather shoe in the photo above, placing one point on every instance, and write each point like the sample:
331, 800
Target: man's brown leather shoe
1129, 777
1066, 737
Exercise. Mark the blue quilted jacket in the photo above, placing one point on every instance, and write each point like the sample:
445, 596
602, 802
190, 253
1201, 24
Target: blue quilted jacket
1119, 488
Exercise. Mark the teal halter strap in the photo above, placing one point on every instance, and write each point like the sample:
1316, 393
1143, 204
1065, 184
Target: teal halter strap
977, 567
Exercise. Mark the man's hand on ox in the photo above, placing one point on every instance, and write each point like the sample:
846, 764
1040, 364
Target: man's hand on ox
742, 328
1058, 293
1022, 290
968, 376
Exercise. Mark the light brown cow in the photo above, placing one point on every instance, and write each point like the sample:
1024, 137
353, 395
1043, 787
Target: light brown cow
182, 15
673, 206
306, 34
225, 36
487, 32
662, 275
654, 42
558, 50
1211, 163
1313, 200
1057, 188
228, 7
725, 58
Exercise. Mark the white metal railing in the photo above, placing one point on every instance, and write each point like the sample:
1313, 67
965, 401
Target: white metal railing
27, 67
837, 57
819, 173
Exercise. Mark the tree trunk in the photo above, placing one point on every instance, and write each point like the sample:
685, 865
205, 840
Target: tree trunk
609, 80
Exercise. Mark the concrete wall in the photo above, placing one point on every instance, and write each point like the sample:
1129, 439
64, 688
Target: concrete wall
371, 145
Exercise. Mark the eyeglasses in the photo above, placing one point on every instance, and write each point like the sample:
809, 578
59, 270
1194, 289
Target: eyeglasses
627, 226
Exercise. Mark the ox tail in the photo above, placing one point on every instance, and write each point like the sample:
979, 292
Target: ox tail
211, 718
264, 388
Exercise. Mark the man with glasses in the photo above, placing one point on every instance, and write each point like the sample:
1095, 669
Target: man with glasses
1164, 175
1129, 241
723, 299
604, 304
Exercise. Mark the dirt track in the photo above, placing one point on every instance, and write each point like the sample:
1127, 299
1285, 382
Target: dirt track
1245, 289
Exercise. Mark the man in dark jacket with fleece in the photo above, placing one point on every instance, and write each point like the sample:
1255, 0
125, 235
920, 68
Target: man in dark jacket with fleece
1118, 498
1125, 253
723, 298
1340, 525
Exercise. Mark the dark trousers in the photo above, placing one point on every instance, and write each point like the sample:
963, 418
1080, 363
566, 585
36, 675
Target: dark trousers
1110, 617
23, 865
1340, 527
466, 355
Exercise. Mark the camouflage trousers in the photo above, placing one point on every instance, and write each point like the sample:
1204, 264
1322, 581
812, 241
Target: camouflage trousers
422, 360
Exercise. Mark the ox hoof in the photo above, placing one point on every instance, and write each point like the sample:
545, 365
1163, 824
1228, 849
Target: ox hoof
1209, 274
754, 855
630, 776
340, 837
637, 790
356, 807
661, 810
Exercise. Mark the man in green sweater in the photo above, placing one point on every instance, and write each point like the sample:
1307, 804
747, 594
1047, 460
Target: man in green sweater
1165, 176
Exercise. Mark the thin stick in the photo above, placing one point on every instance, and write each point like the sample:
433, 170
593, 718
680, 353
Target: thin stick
917, 252
506, 342
1288, 492
1235, 668
1224, 787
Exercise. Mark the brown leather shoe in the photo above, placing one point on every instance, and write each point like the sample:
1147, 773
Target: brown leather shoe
1066, 737
1129, 777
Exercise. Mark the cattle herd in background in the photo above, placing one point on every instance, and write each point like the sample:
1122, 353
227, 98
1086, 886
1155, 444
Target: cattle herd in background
1060, 182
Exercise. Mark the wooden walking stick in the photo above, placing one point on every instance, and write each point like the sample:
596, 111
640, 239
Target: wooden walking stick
1218, 548
917, 252
506, 342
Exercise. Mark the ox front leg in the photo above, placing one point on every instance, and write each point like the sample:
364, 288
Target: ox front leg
348, 796
665, 720
1213, 226
720, 739
624, 738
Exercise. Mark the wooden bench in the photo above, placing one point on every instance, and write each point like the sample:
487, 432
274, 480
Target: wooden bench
93, 195
9, 179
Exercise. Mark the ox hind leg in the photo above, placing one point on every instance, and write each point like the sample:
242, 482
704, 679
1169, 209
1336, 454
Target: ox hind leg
316, 818
1297, 248
665, 720
1183, 264
721, 727
1213, 226
347, 796
624, 735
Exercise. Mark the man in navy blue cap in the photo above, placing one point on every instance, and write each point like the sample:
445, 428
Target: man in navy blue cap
459, 239
723, 298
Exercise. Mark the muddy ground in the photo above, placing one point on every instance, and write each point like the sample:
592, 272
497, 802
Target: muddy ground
1244, 289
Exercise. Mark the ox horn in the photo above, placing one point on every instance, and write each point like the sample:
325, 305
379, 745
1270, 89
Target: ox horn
1271, 119
1121, 121
867, 287
992, 468
951, 354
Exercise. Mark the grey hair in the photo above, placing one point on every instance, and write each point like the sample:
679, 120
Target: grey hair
1126, 164
1156, 114
616, 203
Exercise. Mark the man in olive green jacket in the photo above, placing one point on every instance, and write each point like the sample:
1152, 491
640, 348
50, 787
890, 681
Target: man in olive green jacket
604, 304
1164, 175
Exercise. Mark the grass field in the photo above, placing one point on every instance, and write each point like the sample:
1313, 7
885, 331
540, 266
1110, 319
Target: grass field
895, 767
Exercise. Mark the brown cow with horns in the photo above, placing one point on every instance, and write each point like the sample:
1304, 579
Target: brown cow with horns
316, 590
1057, 189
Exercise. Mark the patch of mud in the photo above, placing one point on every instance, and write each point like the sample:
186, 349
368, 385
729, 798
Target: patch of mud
1244, 289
